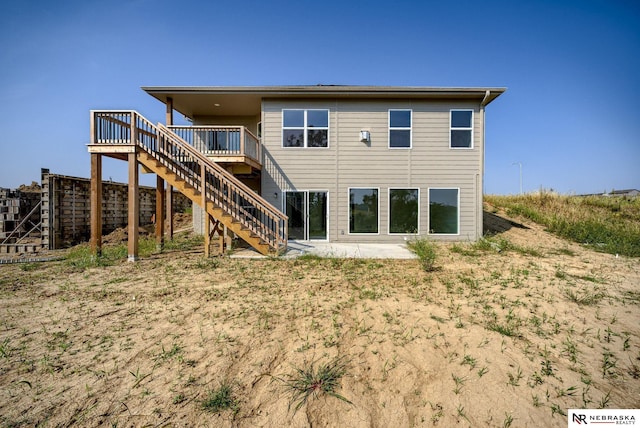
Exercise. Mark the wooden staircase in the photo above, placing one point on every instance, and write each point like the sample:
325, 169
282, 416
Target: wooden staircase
221, 195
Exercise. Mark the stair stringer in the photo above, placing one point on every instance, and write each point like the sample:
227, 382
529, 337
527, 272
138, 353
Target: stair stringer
195, 196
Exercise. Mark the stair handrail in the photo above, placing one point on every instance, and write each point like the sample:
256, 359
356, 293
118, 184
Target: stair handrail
143, 133
209, 163
267, 222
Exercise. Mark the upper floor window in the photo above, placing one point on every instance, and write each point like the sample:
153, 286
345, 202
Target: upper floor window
461, 129
305, 128
400, 129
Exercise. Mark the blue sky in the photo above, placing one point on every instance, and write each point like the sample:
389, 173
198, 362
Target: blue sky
572, 69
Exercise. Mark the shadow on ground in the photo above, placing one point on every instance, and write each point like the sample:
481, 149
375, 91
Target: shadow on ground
492, 223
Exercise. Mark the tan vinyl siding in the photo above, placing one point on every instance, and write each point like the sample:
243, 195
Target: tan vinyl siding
349, 163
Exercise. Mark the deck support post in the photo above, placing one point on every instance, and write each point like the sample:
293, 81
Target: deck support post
169, 211
169, 197
160, 202
222, 236
227, 239
207, 235
96, 204
206, 216
169, 111
133, 207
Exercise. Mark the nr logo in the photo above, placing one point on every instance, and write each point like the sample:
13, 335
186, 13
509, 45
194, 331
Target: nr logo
579, 419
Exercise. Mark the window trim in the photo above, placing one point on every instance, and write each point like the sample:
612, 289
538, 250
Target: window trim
400, 128
389, 211
305, 128
349, 212
452, 128
429, 211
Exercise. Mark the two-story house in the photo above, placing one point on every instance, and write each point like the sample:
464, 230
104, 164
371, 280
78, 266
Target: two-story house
342, 163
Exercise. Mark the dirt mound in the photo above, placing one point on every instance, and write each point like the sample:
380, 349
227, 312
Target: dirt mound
181, 221
34, 187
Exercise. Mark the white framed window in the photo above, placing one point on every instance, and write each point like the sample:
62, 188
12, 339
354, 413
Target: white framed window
400, 128
305, 128
444, 211
404, 211
461, 129
364, 207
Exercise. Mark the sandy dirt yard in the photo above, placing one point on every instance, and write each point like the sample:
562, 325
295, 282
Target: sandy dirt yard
512, 332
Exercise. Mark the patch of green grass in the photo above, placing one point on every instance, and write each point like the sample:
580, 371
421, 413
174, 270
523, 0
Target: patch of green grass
5, 349
220, 399
438, 319
426, 252
182, 242
459, 382
486, 244
207, 263
309, 257
139, 377
609, 224
470, 361
464, 250
28, 267
514, 379
179, 398
507, 329
312, 381
81, 257
176, 351
584, 297
500, 244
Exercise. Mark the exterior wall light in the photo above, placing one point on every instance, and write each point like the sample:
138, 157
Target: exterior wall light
365, 136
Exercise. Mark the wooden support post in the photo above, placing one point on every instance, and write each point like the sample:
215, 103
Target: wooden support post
242, 137
206, 217
169, 195
169, 211
207, 234
133, 208
96, 204
221, 237
227, 236
169, 111
159, 213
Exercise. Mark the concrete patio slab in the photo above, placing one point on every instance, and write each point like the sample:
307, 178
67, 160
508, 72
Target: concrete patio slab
339, 250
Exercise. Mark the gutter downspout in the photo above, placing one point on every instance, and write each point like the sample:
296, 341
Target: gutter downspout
480, 189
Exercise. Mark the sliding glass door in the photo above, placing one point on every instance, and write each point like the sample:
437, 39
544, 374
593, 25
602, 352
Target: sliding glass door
307, 212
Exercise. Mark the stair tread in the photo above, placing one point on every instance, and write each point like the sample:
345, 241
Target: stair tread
166, 166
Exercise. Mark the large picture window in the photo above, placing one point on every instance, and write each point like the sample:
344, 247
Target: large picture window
403, 211
363, 210
305, 128
444, 211
461, 129
400, 129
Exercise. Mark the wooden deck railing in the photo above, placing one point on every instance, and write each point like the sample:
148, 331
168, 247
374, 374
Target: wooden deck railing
222, 189
221, 140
